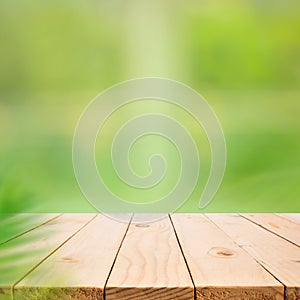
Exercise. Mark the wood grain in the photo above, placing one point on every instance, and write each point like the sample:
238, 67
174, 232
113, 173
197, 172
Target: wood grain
150, 265
280, 257
220, 269
277, 224
292, 217
20, 255
14, 225
79, 269
91, 257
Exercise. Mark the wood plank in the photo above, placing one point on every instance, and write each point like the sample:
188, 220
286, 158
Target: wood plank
14, 225
277, 224
220, 269
80, 268
21, 255
150, 265
292, 217
280, 257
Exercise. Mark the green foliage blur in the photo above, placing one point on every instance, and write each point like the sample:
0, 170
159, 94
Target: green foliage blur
241, 55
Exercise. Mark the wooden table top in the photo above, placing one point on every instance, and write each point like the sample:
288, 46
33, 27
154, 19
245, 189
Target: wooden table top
182, 256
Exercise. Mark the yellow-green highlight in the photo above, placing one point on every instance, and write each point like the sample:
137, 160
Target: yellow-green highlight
242, 56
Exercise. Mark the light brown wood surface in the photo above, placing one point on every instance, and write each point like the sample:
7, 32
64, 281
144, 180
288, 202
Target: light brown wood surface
220, 269
150, 265
18, 224
279, 225
21, 255
78, 269
292, 217
280, 257
195, 256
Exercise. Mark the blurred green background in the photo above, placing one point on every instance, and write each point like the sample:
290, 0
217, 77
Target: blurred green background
242, 56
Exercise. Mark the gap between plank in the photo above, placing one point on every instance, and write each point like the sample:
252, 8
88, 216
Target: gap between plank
188, 268
269, 230
114, 261
69, 238
35, 227
245, 249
